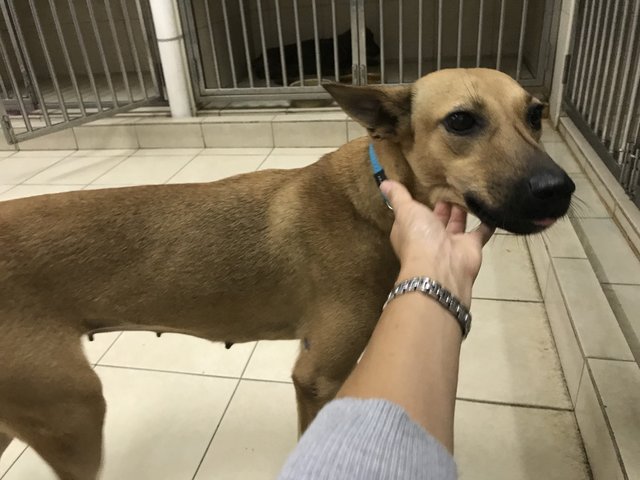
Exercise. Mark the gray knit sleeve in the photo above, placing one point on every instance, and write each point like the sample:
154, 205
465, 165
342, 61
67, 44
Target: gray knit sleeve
369, 439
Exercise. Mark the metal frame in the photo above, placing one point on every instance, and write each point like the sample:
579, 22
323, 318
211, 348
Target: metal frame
68, 105
268, 90
602, 94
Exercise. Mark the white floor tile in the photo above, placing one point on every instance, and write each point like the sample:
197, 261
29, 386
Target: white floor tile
16, 169
587, 203
509, 357
625, 302
4, 188
550, 134
618, 384
599, 447
317, 151
99, 345
21, 191
592, 318
273, 360
178, 353
236, 151
256, 434
157, 427
144, 170
104, 152
13, 451
507, 272
565, 340
610, 254
154, 152
289, 161
76, 170
215, 167
43, 153
562, 156
496, 442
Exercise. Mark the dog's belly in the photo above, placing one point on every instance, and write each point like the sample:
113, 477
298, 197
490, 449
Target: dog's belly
236, 320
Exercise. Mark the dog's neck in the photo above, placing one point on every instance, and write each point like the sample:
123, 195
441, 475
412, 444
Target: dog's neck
352, 166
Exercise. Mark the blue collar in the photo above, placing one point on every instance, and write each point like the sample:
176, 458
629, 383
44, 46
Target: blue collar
378, 171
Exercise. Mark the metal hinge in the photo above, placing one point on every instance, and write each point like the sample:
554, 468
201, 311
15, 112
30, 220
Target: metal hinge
628, 165
565, 72
634, 178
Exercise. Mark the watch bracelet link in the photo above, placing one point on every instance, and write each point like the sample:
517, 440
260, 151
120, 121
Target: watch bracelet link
444, 297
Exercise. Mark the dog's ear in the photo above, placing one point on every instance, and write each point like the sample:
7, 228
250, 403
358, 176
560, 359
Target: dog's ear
385, 111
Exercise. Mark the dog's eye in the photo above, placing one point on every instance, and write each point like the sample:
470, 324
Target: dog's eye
534, 116
460, 123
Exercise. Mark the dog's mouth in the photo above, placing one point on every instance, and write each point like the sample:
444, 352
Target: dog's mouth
515, 224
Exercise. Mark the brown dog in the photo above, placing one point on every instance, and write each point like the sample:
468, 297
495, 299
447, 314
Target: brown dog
274, 254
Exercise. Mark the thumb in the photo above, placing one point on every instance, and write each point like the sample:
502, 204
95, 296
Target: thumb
482, 234
396, 193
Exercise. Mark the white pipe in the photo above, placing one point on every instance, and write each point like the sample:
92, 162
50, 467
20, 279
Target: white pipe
172, 57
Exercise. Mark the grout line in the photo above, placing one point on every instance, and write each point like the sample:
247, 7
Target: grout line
609, 359
605, 416
42, 170
97, 362
224, 412
126, 157
508, 300
620, 283
166, 182
264, 160
515, 405
193, 374
15, 461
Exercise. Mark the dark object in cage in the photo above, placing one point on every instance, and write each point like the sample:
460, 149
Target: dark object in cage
308, 53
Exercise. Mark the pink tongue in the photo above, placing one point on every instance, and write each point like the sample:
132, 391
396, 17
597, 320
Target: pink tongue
544, 222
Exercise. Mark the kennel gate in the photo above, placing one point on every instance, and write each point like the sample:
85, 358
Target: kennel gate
66, 62
601, 94
283, 49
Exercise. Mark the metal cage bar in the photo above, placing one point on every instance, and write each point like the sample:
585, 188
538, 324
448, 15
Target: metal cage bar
523, 24
459, 44
308, 39
400, 42
245, 37
602, 95
48, 62
281, 43
479, 41
229, 46
298, 42
67, 58
500, 35
103, 58
55, 89
334, 33
263, 45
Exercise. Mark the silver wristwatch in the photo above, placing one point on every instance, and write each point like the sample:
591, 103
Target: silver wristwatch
436, 291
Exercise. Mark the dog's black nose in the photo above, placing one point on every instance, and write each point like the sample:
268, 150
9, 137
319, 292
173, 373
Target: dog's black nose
548, 185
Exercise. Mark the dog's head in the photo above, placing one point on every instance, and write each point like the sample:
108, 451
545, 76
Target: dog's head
470, 137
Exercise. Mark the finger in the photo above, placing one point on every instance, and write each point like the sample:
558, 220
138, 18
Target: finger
442, 210
482, 234
396, 193
458, 220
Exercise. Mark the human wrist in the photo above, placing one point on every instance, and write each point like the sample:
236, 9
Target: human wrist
459, 287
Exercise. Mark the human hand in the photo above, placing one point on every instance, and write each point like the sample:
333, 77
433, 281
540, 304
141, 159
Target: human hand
434, 243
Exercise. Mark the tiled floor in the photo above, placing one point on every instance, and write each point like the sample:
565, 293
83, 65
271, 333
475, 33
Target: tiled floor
183, 408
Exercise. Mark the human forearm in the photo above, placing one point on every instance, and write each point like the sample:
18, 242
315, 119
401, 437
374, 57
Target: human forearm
412, 360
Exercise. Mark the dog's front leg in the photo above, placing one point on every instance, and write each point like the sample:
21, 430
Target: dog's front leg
329, 351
